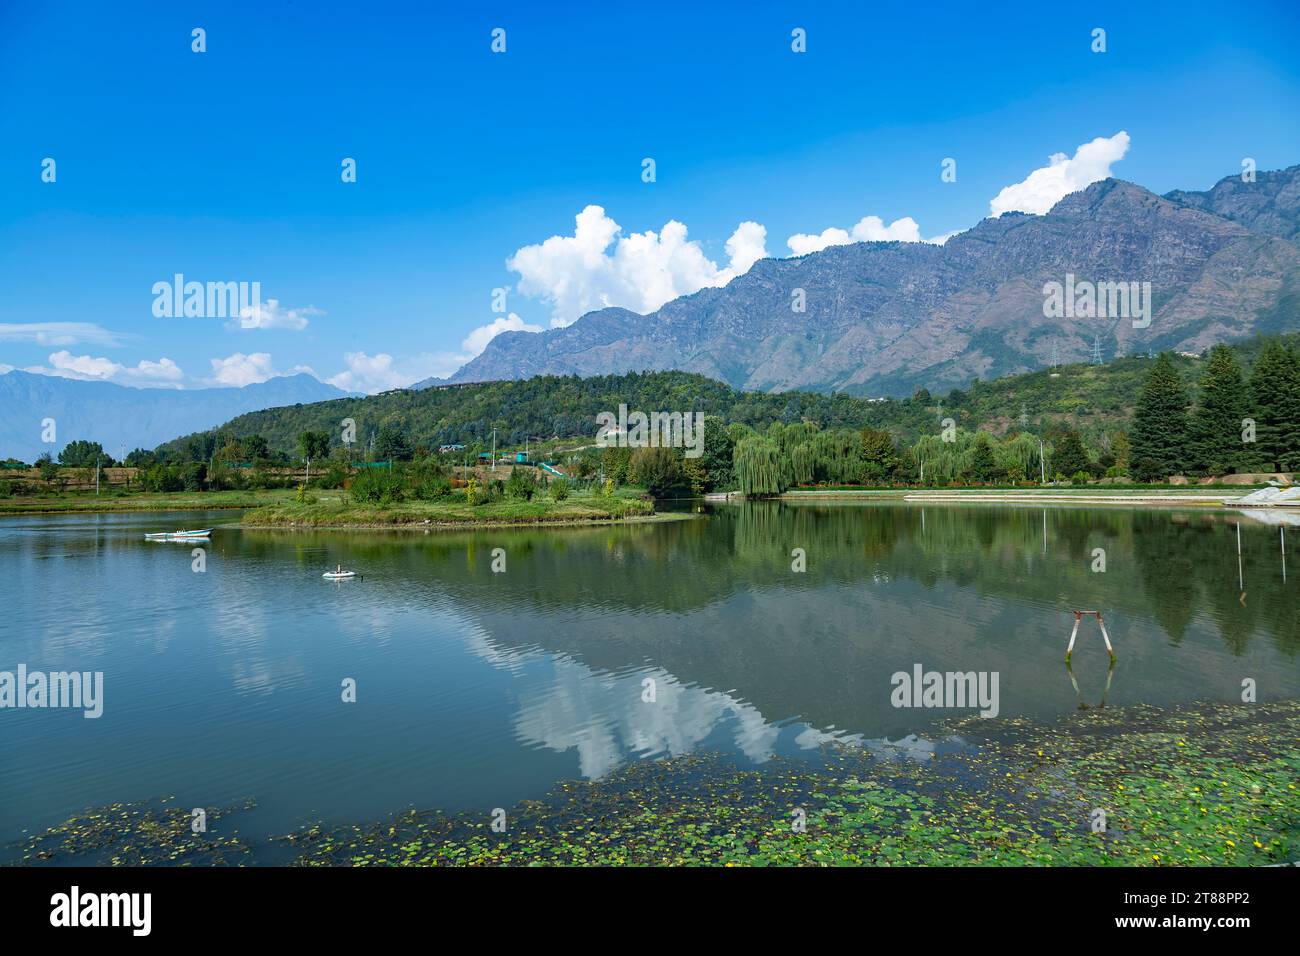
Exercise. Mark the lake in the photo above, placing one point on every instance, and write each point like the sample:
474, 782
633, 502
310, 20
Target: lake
477, 689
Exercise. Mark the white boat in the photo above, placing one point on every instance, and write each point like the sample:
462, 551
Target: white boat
339, 575
202, 535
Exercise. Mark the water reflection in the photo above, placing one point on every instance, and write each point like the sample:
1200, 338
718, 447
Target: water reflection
479, 689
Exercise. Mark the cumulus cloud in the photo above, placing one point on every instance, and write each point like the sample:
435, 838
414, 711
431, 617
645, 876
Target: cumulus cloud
380, 372
1045, 187
579, 273
89, 368
478, 340
59, 333
371, 373
868, 229
270, 315
239, 369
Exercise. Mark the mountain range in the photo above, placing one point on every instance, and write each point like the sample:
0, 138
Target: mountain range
120, 418
884, 318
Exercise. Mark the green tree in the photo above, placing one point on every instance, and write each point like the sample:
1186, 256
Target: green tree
615, 462
1122, 449
658, 469
719, 449
391, 444
48, 469
1069, 456
758, 466
1214, 430
982, 464
879, 454
1274, 403
83, 454
313, 444
522, 484
1159, 424
256, 447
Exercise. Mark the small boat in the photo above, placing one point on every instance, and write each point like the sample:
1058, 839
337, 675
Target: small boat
202, 535
339, 575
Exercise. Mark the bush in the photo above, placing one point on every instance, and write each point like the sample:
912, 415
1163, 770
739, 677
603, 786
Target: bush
658, 469
522, 484
559, 489
376, 486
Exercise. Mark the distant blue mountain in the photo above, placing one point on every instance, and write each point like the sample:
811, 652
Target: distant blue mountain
117, 416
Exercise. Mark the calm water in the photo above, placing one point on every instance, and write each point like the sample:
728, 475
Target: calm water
477, 689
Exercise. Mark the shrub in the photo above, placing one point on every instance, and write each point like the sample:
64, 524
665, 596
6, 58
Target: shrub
559, 489
522, 484
376, 486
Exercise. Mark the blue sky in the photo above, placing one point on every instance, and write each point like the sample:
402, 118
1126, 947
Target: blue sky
225, 165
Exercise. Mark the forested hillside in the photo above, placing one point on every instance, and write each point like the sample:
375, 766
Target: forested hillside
1093, 399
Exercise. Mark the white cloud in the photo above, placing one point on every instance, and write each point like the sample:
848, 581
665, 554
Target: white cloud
577, 273
868, 229
371, 373
89, 368
269, 315
59, 333
239, 369
1044, 188
478, 340
380, 372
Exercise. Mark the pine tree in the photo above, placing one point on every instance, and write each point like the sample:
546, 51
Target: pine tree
1214, 444
1069, 456
982, 466
879, 453
1160, 424
1274, 403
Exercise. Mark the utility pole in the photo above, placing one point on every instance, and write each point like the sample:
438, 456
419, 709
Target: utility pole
1096, 350
96, 476
1042, 462
494, 449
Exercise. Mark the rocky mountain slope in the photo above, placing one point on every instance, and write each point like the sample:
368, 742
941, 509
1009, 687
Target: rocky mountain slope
885, 318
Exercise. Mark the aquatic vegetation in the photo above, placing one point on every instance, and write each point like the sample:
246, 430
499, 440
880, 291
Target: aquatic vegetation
1205, 785
139, 834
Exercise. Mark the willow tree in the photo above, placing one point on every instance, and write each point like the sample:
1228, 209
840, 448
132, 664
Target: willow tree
759, 467
802, 460
838, 456
1017, 455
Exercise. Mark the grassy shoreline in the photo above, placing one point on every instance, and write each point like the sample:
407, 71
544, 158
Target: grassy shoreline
160, 501
418, 515
1198, 785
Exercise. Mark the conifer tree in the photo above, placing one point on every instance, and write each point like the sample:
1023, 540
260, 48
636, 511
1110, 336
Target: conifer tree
1160, 424
1215, 444
1069, 456
1274, 403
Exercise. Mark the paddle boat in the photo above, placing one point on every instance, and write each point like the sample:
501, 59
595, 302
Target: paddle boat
201, 535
